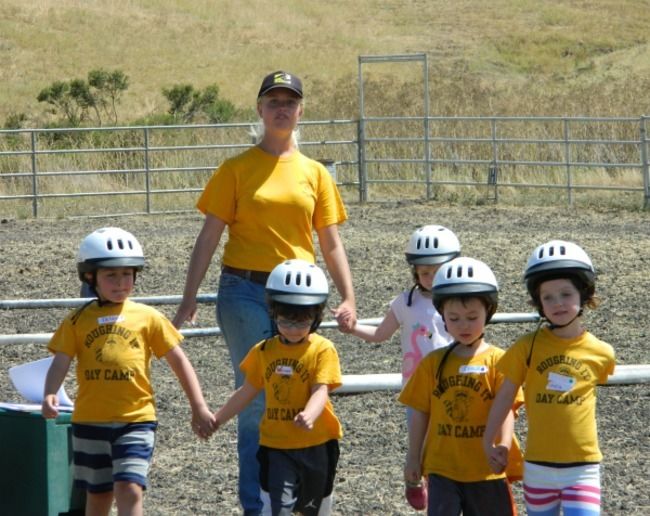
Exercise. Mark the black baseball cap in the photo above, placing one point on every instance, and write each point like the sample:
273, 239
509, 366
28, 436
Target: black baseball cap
280, 79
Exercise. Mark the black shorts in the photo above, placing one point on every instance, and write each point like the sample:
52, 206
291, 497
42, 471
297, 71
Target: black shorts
298, 479
487, 498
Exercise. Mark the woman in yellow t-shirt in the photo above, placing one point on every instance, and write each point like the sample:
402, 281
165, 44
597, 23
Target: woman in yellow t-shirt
272, 198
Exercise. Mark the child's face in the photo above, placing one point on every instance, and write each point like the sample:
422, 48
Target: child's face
115, 284
294, 331
465, 319
560, 300
425, 275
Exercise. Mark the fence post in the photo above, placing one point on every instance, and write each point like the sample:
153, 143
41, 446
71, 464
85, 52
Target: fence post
34, 178
363, 172
147, 178
567, 161
645, 168
494, 166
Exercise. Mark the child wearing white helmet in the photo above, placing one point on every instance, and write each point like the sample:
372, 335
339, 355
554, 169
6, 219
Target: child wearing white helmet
296, 370
113, 340
422, 329
560, 364
451, 393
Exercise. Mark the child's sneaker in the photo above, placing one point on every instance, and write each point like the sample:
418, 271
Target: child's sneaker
416, 495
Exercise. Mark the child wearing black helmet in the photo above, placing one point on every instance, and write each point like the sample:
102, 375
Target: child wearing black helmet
451, 393
113, 340
296, 369
560, 364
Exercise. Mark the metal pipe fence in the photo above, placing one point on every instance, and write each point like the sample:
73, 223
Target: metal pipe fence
161, 169
625, 374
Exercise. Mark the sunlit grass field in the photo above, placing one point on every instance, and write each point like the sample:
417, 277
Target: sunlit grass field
498, 58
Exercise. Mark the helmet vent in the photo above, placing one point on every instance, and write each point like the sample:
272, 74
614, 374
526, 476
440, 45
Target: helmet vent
109, 245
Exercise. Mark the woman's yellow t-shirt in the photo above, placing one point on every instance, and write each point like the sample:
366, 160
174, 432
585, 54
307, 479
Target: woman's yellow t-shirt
271, 206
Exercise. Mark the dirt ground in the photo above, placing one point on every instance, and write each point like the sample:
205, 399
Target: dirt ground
192, 477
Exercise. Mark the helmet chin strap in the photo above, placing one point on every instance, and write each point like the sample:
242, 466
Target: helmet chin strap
554, 326
415, 287
284, 340
474, 341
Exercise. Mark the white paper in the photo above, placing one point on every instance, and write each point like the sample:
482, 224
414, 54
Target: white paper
29, 407
29, 381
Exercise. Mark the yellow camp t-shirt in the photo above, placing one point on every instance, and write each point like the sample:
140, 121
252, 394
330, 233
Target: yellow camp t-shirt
271, 206
560, 393
287, 374
458, 406
113, 345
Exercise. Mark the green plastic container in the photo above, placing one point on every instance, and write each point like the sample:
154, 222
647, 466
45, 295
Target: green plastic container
36, 475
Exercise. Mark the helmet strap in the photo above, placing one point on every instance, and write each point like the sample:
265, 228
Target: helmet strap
553, 326
409, 301
286, 341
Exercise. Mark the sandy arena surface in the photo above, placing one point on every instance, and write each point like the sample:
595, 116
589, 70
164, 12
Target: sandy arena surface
193, 477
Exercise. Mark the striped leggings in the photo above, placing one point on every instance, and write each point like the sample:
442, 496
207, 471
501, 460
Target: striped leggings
574, 490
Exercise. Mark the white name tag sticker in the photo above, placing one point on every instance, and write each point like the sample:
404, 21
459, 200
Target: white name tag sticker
110, 319
560, 382
473, 369
284, 370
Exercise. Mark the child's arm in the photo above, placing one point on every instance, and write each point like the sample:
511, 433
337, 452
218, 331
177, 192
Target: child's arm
236, 403
417, 432
314, 407
55, 376
498, 458
380, 333
500, 424
203, 422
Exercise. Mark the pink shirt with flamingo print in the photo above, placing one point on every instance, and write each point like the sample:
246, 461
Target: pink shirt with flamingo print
421, 329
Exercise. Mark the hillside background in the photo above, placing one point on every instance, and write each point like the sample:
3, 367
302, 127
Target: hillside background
485, 58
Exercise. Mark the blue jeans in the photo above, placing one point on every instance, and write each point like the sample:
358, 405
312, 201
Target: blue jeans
243, 316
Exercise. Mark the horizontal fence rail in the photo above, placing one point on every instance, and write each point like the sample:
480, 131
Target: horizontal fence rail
161, 169
624, 374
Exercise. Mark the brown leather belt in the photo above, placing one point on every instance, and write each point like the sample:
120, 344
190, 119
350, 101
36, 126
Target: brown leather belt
254, 276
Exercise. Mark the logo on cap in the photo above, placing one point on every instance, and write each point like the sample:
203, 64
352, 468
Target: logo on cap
282, 78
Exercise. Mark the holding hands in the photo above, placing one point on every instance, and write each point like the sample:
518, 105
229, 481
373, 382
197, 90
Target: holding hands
497, 457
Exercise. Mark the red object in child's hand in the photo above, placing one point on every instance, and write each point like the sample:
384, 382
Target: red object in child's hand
416, 495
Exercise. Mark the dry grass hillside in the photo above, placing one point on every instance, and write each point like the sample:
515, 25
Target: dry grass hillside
497, 57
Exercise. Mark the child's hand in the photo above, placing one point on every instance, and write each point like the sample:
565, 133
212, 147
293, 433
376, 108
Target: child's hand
346, 317
498, 458
304, 420
412, 471
49, 407
203, 422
